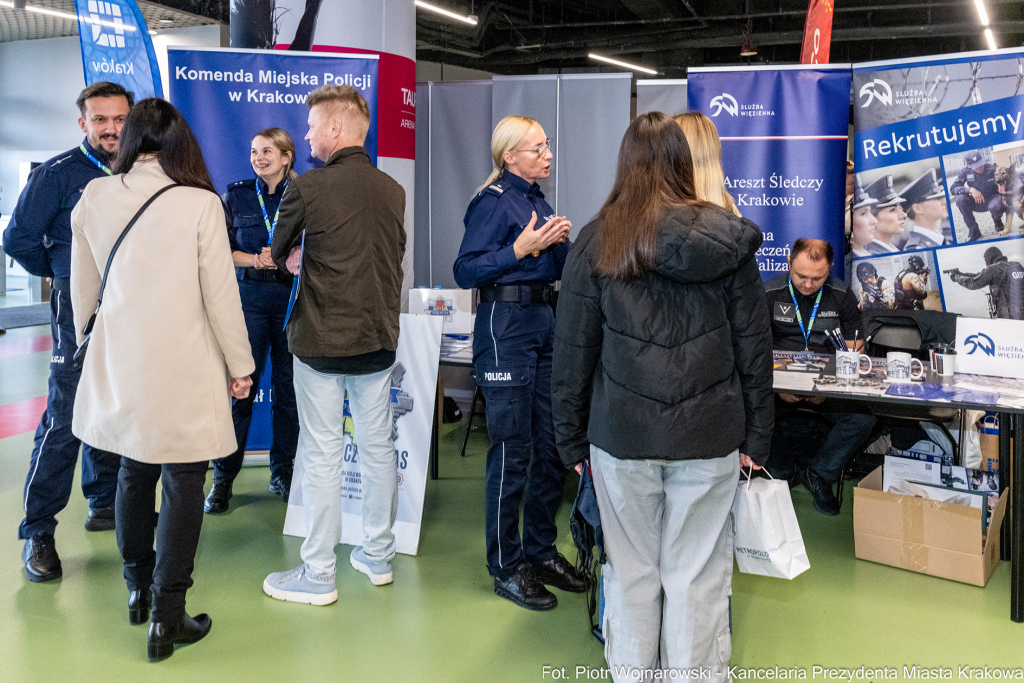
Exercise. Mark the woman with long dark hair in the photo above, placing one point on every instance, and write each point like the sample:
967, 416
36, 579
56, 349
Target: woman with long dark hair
254, 205
167, 351
662, 379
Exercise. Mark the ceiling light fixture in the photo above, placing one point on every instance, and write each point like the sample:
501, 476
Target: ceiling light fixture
982, 14
451, 15
991, 39
624, 65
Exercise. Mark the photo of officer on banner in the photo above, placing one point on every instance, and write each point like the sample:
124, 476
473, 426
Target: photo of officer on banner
985, 189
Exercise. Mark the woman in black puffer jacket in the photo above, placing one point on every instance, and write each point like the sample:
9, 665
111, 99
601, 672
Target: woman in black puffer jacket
663, 380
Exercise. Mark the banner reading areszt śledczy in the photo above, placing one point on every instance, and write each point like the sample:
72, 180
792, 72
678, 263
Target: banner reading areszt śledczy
227, 96
939, 155
784, 136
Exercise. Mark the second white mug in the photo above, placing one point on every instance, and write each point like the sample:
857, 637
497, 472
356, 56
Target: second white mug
900, 367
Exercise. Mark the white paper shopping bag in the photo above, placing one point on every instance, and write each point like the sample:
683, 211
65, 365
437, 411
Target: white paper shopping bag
767, 540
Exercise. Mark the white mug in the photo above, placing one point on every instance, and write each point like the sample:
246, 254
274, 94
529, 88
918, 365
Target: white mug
849, 365
942, 363
900, 367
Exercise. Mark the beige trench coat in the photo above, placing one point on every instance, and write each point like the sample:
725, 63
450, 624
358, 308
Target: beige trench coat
170, 332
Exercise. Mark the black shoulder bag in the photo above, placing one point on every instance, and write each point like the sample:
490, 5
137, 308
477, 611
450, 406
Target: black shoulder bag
79, 356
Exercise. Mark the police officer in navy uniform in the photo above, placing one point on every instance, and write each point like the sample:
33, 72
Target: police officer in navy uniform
265, 291
39, 238
975, 190
513, 251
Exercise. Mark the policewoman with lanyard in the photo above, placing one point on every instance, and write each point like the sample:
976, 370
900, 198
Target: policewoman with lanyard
804, 304
513, 251
265, 290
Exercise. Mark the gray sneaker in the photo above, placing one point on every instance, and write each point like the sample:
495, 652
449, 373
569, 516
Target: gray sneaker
379, 572
301, 584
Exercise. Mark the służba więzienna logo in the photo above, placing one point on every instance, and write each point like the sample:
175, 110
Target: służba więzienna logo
727, 102
876, 89
980, 341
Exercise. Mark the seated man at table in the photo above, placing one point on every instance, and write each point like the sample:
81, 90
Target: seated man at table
803, 304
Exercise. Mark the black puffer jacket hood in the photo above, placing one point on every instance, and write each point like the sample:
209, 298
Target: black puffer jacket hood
704, 245
674, 365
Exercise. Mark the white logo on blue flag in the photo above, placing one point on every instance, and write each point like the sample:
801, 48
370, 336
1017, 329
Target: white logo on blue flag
111, 13
116, 46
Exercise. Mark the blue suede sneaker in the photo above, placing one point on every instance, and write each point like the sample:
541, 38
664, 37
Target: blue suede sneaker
301, 584
379, 572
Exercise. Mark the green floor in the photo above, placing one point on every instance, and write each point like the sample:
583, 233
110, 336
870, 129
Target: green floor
440, 621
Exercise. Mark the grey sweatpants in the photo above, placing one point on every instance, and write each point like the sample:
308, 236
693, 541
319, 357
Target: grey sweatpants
668, 537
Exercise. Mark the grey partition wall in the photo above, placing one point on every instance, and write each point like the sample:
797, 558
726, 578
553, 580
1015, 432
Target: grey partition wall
665, 95
458, 161
593, 114
421, 216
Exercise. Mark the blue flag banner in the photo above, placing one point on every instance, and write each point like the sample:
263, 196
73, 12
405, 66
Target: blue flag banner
116, 46
227, 96
939, 154
784, 134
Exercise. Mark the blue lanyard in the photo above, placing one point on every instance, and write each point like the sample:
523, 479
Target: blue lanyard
271, 227
99, 164
800, 318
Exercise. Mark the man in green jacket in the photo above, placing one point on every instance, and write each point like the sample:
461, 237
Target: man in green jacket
341, 233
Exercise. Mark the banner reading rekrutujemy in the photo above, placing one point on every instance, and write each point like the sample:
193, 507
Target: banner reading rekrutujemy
228, 95
784, 135
939, 155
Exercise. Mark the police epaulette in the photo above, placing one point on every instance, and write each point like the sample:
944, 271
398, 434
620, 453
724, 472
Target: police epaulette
240, 183
498, 189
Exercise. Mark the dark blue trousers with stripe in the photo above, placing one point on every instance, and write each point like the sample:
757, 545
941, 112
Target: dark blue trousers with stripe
51, 471
512, 346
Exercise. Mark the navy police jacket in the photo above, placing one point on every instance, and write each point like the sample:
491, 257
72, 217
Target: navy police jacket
39, 233
495, 218
248, 231
984, 182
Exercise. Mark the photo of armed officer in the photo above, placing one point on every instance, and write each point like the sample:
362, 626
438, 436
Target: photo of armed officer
985, 283
900, 282
984, 280
976, 196
905, 205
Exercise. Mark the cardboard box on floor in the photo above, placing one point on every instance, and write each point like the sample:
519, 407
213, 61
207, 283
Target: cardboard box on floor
926, 536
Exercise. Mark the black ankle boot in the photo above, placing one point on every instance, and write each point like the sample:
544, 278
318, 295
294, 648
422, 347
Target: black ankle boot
163, 635
139, 603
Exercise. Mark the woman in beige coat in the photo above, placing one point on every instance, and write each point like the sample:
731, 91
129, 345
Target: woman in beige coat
168, 350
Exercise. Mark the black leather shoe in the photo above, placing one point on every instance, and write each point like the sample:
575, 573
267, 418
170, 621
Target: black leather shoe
523, 588
139, 603
100, 519
220, 494
559, 573
163, 636
825, 500
281, 485
41, 560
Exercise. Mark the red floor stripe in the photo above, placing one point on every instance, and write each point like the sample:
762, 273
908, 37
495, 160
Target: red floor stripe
24, 345
21, 417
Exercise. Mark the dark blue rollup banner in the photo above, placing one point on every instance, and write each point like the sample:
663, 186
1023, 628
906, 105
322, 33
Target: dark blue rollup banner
939, 153
784, 136
228, 95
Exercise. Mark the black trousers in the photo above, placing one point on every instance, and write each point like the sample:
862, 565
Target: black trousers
168, 568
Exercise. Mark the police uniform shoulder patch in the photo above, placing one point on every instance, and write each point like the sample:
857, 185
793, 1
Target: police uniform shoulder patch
494, 188
241, 183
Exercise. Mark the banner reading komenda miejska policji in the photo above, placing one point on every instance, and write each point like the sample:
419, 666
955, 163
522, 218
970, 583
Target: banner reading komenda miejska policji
228, 95
784, 136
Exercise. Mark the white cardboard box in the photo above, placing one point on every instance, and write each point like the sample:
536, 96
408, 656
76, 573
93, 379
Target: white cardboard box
454, 305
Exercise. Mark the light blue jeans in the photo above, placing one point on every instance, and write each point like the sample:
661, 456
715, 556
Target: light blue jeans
320, 399
668, 537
